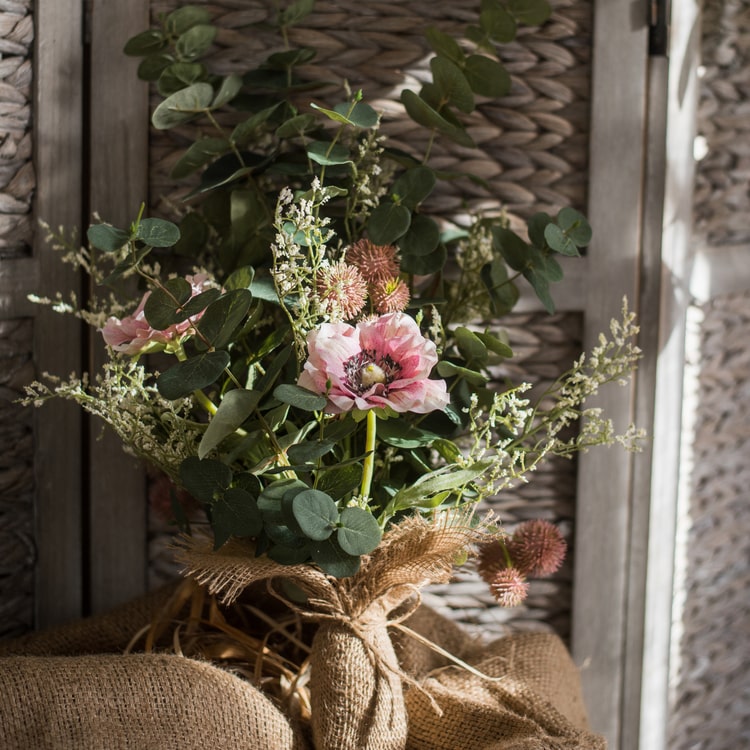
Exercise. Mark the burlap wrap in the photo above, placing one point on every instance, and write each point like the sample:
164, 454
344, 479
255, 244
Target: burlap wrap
383, 674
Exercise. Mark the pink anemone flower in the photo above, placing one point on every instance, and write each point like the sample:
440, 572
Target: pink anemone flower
133, 335
379, 363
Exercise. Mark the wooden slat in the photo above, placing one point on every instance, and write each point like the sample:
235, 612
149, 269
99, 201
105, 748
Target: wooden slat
57, 339
603, 509
118, 184
18, 277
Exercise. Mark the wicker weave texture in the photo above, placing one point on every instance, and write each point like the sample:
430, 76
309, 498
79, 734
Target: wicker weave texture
16, 170
16, 481
711, 699
722, 197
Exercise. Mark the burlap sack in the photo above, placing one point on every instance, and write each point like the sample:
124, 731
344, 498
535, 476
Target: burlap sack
134, 701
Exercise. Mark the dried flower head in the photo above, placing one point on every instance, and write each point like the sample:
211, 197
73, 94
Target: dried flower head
375, 262
342, 290
390, 295
509, 587
537, 548
492, 558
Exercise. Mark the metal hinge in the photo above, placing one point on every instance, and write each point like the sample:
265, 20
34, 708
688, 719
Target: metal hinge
658, 28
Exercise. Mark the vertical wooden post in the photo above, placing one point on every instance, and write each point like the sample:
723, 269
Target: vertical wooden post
58, 108
118, 183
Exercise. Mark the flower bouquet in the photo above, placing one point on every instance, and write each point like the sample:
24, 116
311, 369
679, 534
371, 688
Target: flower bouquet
312, 355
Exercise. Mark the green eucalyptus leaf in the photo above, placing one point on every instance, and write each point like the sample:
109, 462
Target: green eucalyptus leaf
388, 222
296, 12
198, 154
286, 555
151, 67
559, 241
194, 235
307, 453
316, 513
145, 43
222, 318
413, 186
240, 278
235, 514
513, 249
540, 284
362, 115
423, 114
575, 226
107, 238
536, 226
205, 479
403, 435
157, 232
472, 348
424, 265
495, 344
195, 41
359, 532
487, 77
182, 106
234, 409
179, 75
284, 61
448, 369
502, 291
230, 87
530, 12
182, 379
182, 19
296, 126
444, 45
338, 482
452, 84
422, 238
497, 22
300, 398
163, 307
332, 559
327, 154
246, 130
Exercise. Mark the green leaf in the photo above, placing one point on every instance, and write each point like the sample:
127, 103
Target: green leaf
340, 481
444, 45
106, 237
299, 397
424, 265
286, 555
308, 453
151, 67
195, 41
422, 238
235, 514
497, 22
182, 379
536, 226
157, 232
182, 106
413, 186
296, 12
241, 278
559, 241
540, 284
229, 88
452, 84
495, 345
234, 409
145, 43
471, 347
327, 154
403, 435
487, 77
359, 532
530, 12
361, 116
182, 19
388, 222
575, 226
448, 369
503, 292
205, 479
163, 307
222, 318
245, 130
316, 513
512, 248
288, 59
179, 75
332, 559
423, 114
296, 126
198, 154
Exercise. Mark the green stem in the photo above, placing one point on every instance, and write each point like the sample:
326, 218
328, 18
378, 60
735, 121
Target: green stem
369, 467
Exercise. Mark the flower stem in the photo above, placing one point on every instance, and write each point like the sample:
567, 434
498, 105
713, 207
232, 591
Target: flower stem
369, 467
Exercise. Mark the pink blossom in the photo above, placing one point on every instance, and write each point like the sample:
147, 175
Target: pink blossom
133, 335
379, 363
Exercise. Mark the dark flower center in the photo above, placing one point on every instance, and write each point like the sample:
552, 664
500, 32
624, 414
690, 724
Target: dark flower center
366, 369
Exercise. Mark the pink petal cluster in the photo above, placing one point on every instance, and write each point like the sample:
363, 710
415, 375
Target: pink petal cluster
379, 363
132, 334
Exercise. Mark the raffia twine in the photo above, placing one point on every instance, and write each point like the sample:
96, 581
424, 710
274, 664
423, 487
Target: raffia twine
356, 683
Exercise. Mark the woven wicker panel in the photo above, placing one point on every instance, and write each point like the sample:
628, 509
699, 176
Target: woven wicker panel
712, 684
533, 148
16, 170
16, 481
722, 198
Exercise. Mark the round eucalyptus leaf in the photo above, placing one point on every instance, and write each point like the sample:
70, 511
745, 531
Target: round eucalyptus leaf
424, 265
164, 305
388, 222
414, 185
359, 532
106, 237
145, 43
182, 19
487, 77
157, 232
195, 41
452, 83
299, 397
182, 379
332, 559
205, 479
422, 238
316, 513
328, 154
182, 106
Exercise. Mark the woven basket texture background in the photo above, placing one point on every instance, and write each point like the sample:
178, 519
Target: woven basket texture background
533, 147
16, 446
711, 684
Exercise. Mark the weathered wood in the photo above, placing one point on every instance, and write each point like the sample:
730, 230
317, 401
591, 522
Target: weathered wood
57, 339
18, 277
117, 186
603, 510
